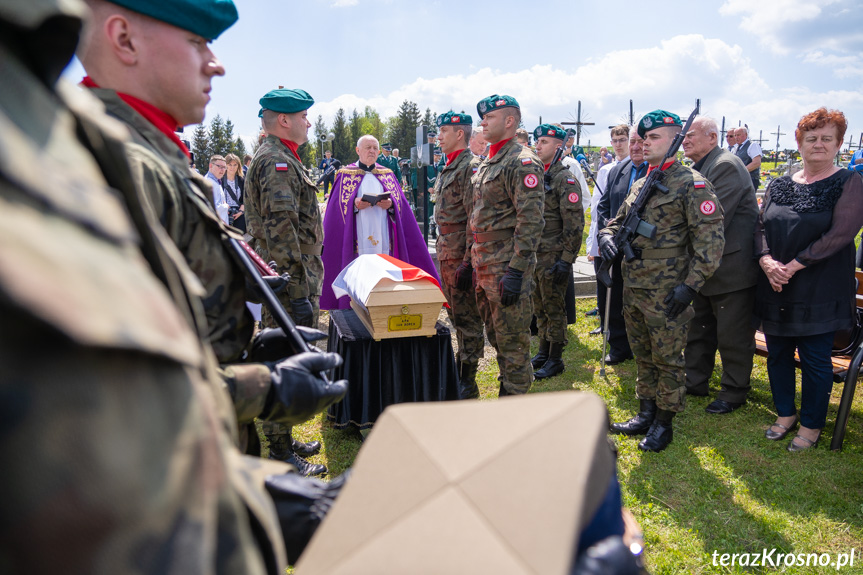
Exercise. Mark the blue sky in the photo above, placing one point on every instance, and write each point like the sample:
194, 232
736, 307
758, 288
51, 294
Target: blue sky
764, 63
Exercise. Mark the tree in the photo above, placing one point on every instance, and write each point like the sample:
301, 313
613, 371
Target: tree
229, 137
321, 130
342, 148
356, 126
429, 118
239, 148
402, 129
201, 148
219, 144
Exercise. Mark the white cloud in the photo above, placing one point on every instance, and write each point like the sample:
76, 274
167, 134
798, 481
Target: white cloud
768, 18
843, 66
671, 76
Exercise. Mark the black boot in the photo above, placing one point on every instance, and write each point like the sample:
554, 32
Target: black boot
554, 365
660, 434
467, 388
304, 449
283, 452
541, 357
640, 424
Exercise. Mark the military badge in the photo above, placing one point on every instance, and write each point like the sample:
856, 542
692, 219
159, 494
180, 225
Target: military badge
707, 207
573, 198
500, 103
570, 180
455, 119
525, 161
698, 184
647, 122
483, 107
530, 181
282, 167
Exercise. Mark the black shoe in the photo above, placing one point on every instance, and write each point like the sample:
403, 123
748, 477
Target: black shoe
776, 436
594, 311
660, 434
467, 381
304, 449
640, 424
541, 356
721, 407
597, 331
305, 468
614, 359
554, 365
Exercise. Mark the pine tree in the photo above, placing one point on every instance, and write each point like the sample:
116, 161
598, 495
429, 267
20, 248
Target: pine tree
429, 119
239, 148
218, 143
342, 148
356, 127
229, 137
402, 129
201, 148
321, 130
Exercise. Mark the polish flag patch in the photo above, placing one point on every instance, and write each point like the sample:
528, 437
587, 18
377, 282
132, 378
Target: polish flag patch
525, 161
530, 181
573, 198
699, 184
707, 207
282, 167
475, 170
570, 180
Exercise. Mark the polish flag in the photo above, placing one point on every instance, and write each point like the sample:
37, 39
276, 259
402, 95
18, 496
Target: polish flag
360, 277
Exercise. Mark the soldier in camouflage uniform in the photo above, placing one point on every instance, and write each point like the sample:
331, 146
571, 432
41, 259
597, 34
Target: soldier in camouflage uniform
118, 442
181, 199
282, 216
506, 224
558, 248
454, 205
660, 284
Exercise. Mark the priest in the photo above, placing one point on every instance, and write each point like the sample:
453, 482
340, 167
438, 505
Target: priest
367, 213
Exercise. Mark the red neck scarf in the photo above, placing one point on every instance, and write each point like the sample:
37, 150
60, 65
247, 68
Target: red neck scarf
495, 148
663, 168
162, 121
546, 166
292, 147
450, 158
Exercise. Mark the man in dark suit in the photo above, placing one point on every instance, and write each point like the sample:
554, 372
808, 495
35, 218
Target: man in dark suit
723, 307
620, 179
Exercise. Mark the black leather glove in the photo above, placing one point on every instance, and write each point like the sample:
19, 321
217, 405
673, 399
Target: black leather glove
464, 277
560, 271
297, 390
678, 300
272, 344
301, 504
276, 283
607, 249
510, 287
302, 312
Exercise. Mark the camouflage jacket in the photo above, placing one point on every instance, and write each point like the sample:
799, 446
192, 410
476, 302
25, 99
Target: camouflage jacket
454, 204
181, 200
507, 199
282, 215
563, 214
127, 386
689, 233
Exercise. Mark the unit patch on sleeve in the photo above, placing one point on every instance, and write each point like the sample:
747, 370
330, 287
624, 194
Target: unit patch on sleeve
707, 207
530, 180
282, 167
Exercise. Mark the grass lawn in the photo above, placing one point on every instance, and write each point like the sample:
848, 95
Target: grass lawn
720, 486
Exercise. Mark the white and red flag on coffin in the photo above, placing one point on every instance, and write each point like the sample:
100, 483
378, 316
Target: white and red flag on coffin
360, 277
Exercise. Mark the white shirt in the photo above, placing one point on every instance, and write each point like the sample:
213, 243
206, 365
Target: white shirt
575, 169
754, 150
373, 225
219, 198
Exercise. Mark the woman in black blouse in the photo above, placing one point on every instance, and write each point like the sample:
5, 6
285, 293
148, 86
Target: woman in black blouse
805, 240
233, 184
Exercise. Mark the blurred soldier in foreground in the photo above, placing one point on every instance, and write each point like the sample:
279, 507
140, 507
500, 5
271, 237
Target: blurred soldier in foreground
182, 201
118, 437
454, 205
558, 248
506, 223
660, 284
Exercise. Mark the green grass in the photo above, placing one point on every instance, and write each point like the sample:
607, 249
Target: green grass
720, 486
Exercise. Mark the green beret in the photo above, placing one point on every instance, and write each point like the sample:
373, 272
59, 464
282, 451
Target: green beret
495, 102
206, 18
657, 119
388, 147
453, 119
550, 131
286, 101
432, 133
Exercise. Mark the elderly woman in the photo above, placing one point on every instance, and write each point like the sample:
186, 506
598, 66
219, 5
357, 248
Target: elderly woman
232, 183
805, 239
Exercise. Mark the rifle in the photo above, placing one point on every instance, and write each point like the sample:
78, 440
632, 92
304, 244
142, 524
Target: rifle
333, 167
558, 154
632, 224
585, 166
256, 270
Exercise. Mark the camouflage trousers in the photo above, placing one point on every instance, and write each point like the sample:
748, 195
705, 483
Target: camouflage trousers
547, 300
276, 432
657, 344
507, 328
464, 315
